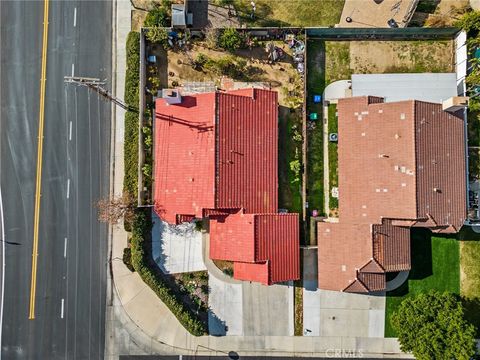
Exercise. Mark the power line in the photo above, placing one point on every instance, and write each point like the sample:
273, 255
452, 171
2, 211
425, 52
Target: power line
98, 86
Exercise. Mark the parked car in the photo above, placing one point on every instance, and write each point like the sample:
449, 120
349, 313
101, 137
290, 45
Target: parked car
392, 23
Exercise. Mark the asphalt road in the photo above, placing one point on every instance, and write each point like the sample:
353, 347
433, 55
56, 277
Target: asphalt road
72, 247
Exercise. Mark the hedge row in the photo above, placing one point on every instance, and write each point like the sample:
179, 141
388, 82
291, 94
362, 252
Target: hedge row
140, 228
132, 81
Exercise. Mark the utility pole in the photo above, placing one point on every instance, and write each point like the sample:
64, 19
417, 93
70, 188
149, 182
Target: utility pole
97, 85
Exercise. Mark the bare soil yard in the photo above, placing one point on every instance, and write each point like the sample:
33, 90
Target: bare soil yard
279, 76
401, 56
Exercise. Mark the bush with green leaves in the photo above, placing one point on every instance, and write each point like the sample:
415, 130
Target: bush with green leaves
127, 259
132, 81
230, 39
230, 65
158, 17
432, 326
144, 267
157, 35
295, 167
200, 61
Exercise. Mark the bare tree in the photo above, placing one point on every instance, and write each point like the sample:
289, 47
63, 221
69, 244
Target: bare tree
112, 210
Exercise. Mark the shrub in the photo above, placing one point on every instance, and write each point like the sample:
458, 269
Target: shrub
127, 258
231, 66
157, 17
132, 78
147, 170
296, 167
143, 265
200, 61
230, 39
157, 35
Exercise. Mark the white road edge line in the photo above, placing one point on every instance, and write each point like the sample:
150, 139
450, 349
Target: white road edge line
65, 248
3, 270
75, 17
70, 132
68, 188
61, 311
73, 70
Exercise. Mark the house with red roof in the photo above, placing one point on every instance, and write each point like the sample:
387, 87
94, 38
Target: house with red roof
216, 157
400, 165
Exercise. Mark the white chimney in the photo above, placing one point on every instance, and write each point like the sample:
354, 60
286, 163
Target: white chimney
171, 96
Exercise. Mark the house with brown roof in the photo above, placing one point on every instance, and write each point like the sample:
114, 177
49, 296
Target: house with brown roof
216, 157
400, 165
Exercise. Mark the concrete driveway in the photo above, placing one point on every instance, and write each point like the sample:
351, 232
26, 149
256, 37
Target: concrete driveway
333, 313
250, 309
176, 249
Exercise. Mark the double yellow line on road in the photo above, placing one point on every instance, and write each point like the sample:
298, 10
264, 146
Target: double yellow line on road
38, 185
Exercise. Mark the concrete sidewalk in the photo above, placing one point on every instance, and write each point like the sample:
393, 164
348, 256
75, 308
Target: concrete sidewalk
137, 322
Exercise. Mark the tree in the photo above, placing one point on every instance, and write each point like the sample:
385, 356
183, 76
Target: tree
112, 210
432, 326
230, 39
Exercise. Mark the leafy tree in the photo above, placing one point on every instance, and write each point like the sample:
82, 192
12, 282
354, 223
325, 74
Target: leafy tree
432, 326
230, 39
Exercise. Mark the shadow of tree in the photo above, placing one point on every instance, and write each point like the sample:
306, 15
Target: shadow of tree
216, 326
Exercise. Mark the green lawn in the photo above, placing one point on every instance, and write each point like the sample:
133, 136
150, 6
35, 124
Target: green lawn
315, 86
435, 265
289, 12
333, 153
290, 195
470, 279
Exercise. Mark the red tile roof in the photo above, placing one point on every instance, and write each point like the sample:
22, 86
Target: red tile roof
391, 246
247, 151
232, 237
274, 239
407, 169
184, 156
440, 157
215, 151
216, 156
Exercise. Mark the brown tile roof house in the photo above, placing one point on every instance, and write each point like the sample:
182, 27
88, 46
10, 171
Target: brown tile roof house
400, 164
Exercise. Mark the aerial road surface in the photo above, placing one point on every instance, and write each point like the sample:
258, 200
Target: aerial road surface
54, 166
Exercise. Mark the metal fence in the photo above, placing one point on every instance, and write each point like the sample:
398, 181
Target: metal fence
412, 33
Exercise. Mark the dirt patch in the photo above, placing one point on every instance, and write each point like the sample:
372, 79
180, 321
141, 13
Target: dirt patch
446, 13
225, 266
138, 17
277, 76
401, 56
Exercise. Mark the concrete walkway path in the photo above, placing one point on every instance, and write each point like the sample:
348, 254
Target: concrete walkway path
397, 281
